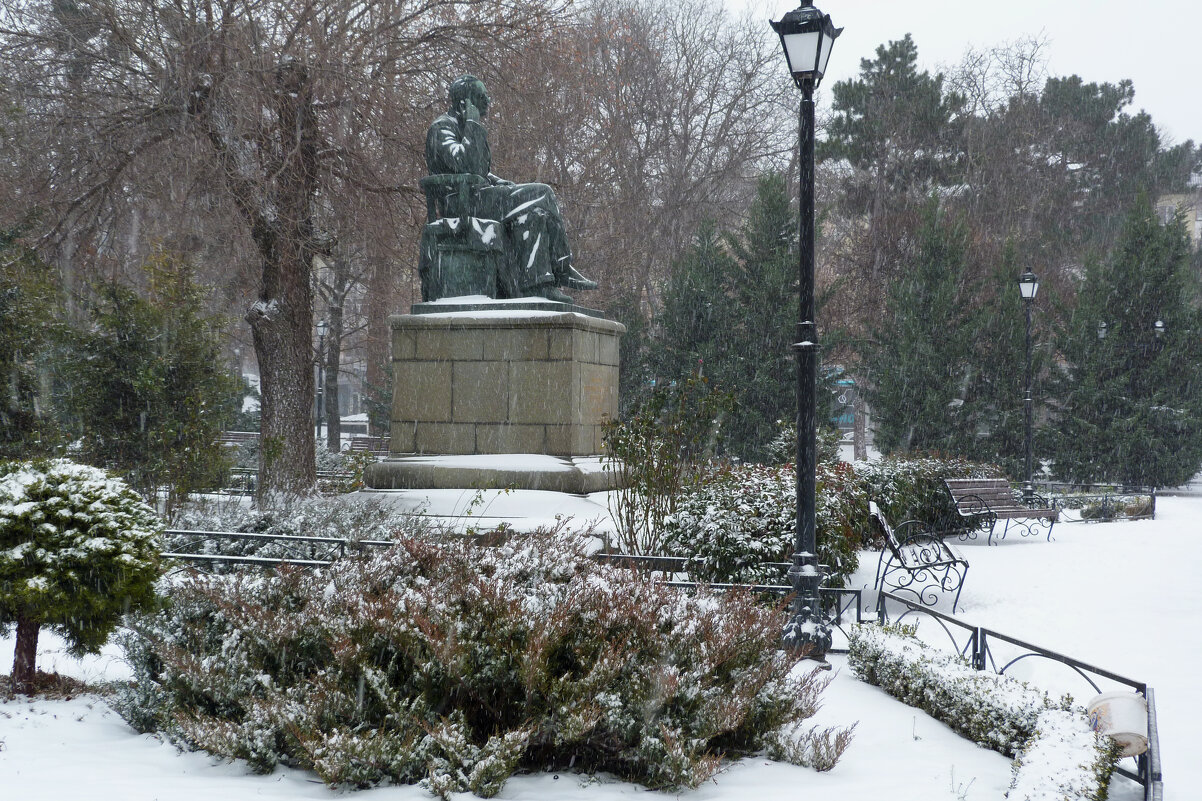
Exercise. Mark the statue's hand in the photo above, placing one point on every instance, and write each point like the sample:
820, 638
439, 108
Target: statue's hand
470, 112
501, 181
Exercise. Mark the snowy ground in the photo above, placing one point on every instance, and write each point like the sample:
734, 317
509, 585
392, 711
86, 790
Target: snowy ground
1124, 596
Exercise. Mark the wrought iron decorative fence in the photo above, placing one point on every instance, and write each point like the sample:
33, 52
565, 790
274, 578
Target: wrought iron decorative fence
976, 644
1099, 502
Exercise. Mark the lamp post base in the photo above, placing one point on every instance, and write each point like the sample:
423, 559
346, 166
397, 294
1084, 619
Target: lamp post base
807, 630
808, 633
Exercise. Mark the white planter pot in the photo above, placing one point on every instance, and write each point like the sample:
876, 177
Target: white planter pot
1123, 716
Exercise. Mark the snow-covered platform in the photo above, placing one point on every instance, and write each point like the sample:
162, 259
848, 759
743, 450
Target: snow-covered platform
577, 475
484, 509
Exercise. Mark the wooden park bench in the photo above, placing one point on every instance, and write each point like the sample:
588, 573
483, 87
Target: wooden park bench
369, 444
916, 560
235, 438
982, 502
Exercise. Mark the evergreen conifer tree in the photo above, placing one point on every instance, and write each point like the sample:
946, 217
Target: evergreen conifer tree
1129, 408
917, 362
77, 551
729, 315
692, 330
27, 331
149, 388
994, 422
760, 369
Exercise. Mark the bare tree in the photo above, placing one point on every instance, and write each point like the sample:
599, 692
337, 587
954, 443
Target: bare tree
647, 117
261, 91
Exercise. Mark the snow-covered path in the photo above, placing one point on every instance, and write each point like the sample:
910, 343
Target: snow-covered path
1125, 596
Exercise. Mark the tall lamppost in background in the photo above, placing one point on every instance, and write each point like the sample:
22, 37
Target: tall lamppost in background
321, 377
1028, 286
806, 34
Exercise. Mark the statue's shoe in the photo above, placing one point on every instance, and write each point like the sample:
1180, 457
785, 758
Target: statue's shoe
550, 292
577, 281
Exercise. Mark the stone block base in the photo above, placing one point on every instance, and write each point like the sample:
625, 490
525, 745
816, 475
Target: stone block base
578, 476
494, 379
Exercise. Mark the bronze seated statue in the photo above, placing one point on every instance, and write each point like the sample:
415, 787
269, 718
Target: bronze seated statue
485, 235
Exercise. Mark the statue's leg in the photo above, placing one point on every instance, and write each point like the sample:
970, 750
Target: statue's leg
539, 199
532, 266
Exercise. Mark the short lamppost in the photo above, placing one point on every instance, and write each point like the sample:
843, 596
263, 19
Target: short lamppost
1028, 286
321, 376
806, 34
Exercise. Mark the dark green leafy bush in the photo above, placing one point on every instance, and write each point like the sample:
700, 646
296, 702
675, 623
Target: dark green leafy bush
455, 665
913, 489
739, 517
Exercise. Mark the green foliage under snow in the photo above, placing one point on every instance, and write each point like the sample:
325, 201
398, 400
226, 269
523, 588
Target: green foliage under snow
735, 518
454, 665
1058, 756
1066, 760
77, 550
1128, 408
738, 517
913, 489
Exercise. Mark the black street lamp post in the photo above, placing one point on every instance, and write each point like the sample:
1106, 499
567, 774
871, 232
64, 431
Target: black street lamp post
1028, 286
806, 35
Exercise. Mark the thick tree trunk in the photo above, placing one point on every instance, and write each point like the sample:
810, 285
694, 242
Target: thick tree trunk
275, 197
280, 326
25, 657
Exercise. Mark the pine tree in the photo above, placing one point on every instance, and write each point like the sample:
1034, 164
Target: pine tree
1128, 405
27, 330
994, 417
899, 130
692, 330
761, 370
149, 389
918, 360
729, 315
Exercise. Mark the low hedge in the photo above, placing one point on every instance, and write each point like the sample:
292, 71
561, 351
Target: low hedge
1066, 759
736, 517
1058, 756
913, 489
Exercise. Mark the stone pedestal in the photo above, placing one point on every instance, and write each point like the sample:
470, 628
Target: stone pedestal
494, 379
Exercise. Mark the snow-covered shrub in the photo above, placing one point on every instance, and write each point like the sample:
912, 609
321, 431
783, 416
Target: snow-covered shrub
454, 665
738, 517
782, 449
313, 516
655, 453
913, 489
998, 712
1058, 757
77, 550
815, 748
1066, 760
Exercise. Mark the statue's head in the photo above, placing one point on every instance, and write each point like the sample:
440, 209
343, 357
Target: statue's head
469, 87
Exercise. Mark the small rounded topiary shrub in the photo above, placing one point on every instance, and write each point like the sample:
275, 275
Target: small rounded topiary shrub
77, 550
739, 517
454, 665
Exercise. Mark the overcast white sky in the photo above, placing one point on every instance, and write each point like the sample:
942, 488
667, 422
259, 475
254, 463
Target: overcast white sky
1155, 43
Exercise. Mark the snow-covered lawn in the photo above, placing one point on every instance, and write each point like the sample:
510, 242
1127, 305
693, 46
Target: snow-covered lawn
1124, 596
